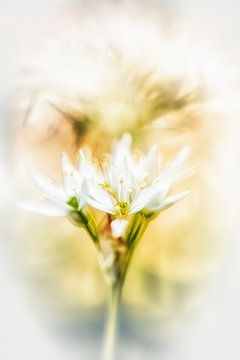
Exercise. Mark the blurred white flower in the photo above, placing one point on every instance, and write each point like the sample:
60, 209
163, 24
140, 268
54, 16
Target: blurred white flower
59, 200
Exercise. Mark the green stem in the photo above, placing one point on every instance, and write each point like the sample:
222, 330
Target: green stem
112, 321
78, 218
139, 225
88, 226
133, 243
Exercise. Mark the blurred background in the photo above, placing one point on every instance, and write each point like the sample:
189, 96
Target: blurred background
79, 74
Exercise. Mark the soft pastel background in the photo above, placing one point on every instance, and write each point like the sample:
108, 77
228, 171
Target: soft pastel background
181, 299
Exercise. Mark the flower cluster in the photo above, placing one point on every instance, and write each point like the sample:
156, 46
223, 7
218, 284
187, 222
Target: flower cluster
129, 189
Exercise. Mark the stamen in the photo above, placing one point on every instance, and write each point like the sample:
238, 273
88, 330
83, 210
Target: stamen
107, 188
130, 192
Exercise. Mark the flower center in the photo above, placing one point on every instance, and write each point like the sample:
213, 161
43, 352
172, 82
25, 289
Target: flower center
121, 209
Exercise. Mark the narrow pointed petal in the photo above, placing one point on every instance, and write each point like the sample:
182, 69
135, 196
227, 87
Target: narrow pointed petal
85, 191
45, 209
48, 186
181, 157
170, 171
123, 144
101, 196
70, 186
144, 198
86, 168
171, 200
122, 148
149, 164
66, 165
100, 206
118, 227
185, 174
68, 175
83, 194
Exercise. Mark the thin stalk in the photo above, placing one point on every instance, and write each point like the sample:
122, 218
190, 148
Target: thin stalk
138, 228
78, 218
112, 321
134, 224
88, 226
134, 241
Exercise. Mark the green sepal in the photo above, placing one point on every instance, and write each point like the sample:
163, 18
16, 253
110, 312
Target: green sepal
73, 202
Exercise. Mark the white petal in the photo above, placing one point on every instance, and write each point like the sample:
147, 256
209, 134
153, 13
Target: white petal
149, 165
69, 186
100, 198
86, 169
54, 201
122, 147
99, 206
48, 186
85, 188
169, 201
68, 175
118, 227
181, 157
162, 191
66, 165
83, 194
144, 197
170, 172
185, 174
45, 209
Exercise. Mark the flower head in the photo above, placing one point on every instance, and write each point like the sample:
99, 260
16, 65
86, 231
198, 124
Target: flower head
129, 186
129, 190
59, 200
121, 187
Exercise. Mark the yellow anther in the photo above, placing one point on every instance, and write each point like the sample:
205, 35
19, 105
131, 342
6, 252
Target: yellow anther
121, 209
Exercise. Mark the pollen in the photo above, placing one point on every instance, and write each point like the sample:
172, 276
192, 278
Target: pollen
121, 209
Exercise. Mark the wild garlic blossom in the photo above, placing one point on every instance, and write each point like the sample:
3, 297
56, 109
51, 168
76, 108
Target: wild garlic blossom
126, 186
121, 187
59, 200
129, 190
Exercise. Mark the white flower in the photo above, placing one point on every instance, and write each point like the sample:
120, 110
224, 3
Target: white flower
121, 187
59, 200
128, 186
